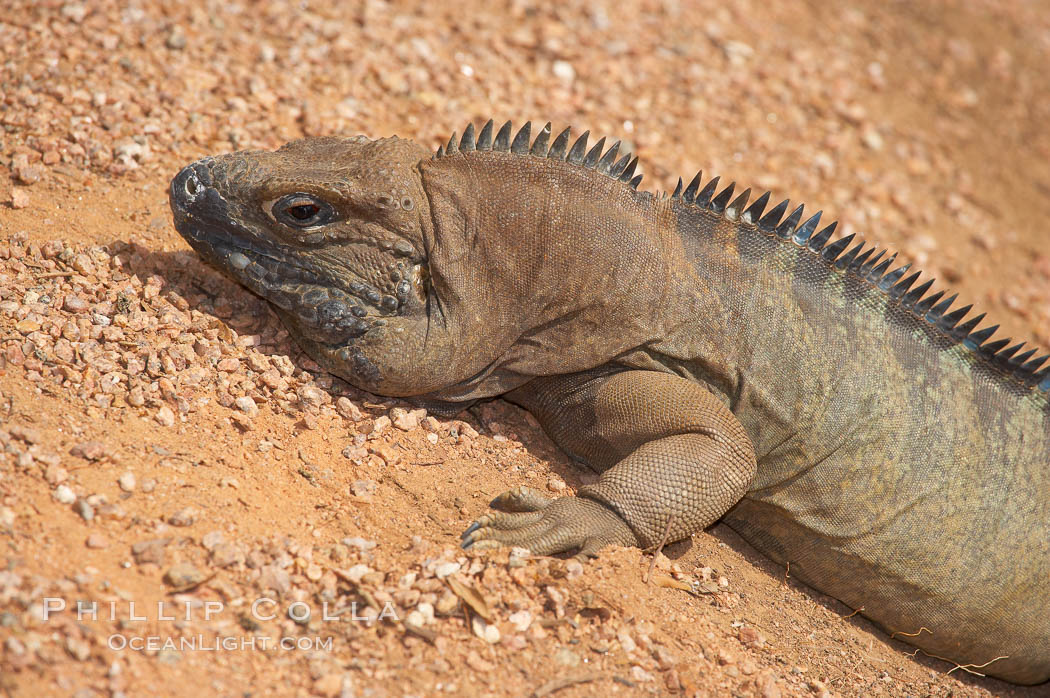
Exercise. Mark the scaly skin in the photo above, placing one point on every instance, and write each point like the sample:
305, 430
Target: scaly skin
708, 361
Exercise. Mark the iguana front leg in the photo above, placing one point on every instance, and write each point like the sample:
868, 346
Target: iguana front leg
668, 448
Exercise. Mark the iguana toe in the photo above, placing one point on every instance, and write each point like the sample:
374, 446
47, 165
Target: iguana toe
501, 521
564, 524
521, 499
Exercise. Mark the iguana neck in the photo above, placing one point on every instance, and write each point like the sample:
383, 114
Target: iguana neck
553, 268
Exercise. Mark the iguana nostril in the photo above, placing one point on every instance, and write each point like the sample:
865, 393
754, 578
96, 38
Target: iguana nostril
192, 185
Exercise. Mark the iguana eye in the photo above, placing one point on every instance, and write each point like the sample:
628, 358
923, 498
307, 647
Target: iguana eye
302, 210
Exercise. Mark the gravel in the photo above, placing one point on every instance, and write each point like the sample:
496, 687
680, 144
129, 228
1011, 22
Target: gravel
104, 309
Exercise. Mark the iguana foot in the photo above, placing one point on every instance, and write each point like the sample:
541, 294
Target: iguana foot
545, 526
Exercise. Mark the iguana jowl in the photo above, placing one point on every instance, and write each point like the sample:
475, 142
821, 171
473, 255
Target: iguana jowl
709, 359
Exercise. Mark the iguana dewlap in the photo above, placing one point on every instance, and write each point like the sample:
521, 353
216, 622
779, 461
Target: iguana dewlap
710, 359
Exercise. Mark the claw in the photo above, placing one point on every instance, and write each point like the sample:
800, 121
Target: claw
473, 527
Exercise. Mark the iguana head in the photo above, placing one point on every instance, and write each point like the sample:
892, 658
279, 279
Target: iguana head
329, 230
452, 277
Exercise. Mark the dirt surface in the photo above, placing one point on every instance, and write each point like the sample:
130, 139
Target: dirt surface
164, 441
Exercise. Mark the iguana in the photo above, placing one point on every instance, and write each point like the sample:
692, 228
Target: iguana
710, 359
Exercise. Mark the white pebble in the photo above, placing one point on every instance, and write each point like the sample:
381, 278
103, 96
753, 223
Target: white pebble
165, 417
64, 495
488, 633
563, 70
247, 405
357, 571
427, 611
446, 568
127, 481
521, 620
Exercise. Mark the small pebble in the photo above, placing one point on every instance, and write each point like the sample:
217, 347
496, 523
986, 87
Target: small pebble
183, 517
183, 574
127, 481
247, 405
85, 509
521, 620
486, 631
64, 495
359, 543
97, 541
566, 657
165, 417
19, 198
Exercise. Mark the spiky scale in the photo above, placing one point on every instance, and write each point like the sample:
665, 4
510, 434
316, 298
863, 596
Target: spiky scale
636, 181
976, 339
1044, 380
817, 242
561, 144
938, 311
539, 148
621, 164
1020, 359
857, 264
887, 282
579, 149
901, 288
703, 198
865, 269
832, 251
677, 190
845, 260
694, 185
522, 139
626, 175
440, 153
1005, 354
806, 229
502, 142
466, 144
771, 220
733, 210
787, 228
922, 308
594, 154
992, 348
451, 147
605, 164
963, 330
719, 203
754, 211
1033, 365
880, 269
485, 137
915, 295
952, 319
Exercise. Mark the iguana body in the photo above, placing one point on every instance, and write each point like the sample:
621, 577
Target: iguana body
710, 361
